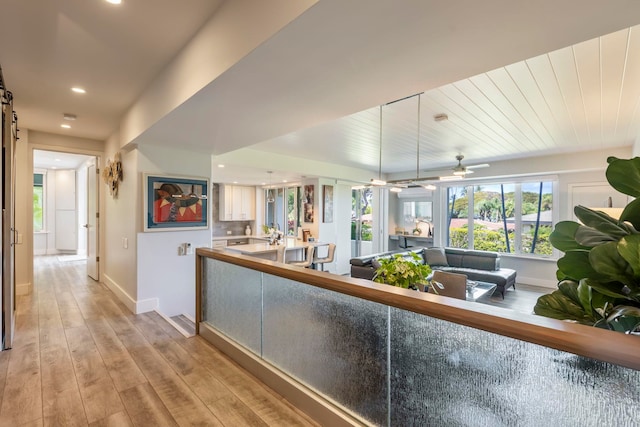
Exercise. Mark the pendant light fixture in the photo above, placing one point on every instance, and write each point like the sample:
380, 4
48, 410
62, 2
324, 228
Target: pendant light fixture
270, 198
379, 181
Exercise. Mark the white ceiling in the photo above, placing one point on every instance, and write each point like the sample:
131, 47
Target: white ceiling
113, 51
54, 160
312, 90
582, 97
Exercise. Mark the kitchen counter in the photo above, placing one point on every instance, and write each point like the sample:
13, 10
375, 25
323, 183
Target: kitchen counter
239, 236
267, 251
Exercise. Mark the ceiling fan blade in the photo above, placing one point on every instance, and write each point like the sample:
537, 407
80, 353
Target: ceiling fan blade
479, 166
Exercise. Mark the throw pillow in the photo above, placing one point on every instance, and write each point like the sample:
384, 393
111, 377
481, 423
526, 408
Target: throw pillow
435, 257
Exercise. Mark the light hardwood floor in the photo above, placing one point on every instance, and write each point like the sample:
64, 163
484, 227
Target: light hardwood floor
80, 358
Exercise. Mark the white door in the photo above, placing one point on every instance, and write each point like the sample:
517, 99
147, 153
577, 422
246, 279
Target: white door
92, 222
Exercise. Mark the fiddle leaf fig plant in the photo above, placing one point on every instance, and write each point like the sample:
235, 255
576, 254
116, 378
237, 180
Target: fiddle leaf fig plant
599, 274
399, 271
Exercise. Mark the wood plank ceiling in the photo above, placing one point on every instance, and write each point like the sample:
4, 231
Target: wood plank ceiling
578, 98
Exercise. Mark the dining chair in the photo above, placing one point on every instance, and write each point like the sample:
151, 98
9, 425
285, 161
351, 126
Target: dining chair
402, 242
308, 258
447, 284
331, 251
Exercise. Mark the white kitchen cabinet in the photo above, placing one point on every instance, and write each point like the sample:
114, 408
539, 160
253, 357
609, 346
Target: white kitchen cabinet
248, 203
226, 202
237, 203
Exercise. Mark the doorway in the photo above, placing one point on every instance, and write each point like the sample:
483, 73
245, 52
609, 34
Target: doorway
65, 206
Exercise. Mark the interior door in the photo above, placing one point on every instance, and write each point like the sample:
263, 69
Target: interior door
9, 135
92, 222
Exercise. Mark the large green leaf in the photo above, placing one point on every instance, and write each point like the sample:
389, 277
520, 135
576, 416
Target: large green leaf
558, 306
569, 288
575, 265
563, 236
631, 213
624, 175
602, 222
584, 294
590, 237
606, 260
611, 289
598, 299
629, 249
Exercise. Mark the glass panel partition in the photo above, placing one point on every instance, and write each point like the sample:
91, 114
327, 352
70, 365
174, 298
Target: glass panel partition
390, 366
334, 343
234, 304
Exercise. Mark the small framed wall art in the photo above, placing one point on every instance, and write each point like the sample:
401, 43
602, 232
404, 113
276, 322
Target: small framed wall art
175, 203
308, 203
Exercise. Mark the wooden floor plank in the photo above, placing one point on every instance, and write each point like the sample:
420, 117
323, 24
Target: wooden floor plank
121, 419
22, 398
81, 358
145, 407
63, 408
122, 369
98, 392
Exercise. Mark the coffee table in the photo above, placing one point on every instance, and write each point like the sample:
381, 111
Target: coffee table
477, 289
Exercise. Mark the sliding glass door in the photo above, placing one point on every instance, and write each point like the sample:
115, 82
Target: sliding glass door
361, 222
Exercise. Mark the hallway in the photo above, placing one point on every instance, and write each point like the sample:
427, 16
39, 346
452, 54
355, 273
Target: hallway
81, 358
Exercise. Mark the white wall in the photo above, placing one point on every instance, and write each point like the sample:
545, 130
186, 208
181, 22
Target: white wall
119, 264
165, 279
226, 38
161, 272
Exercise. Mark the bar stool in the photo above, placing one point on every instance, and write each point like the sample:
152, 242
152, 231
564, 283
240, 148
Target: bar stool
329, 258
308, 259
280, 252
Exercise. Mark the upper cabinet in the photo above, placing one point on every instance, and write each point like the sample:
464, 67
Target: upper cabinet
237, 203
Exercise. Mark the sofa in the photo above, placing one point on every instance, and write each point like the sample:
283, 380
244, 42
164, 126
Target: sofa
482, 266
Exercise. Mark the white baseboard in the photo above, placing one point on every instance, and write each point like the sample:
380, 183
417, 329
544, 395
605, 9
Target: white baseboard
23, 288
535, 281
136, 306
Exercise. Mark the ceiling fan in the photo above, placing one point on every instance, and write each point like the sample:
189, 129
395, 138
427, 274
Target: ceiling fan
461, 170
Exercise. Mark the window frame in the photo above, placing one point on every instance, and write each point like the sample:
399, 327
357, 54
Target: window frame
518, 184
42, 172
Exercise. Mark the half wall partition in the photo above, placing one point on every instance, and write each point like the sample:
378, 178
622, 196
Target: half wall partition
365, 353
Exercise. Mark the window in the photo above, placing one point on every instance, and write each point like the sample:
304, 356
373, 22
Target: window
508, 218
283, 209
361, 214
38, 202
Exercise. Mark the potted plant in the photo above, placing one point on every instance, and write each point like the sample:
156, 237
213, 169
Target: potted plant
599, 274
397, 270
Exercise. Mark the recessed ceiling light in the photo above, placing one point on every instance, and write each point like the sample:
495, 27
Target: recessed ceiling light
220, 166
284, 180
114, 1
57, 160
235, 182
53, 167
78, 90
65, 126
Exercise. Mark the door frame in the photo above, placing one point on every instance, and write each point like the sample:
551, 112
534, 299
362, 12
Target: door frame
28, 236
